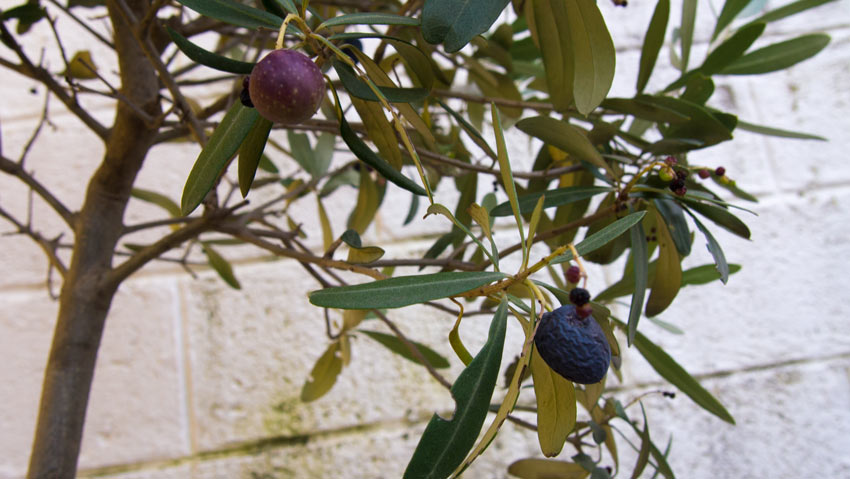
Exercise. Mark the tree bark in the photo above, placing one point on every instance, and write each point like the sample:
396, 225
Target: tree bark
87, 293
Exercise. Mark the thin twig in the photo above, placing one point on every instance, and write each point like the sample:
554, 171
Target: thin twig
48, 246
244, 234
83, 24
12, 168
534, 105
35, 133
413, 349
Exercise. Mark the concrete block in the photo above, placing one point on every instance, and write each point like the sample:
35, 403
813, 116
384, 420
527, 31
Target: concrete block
136, 410
252, 350
811, 97
780, 413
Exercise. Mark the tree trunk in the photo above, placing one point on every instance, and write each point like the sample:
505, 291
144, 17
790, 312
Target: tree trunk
86, 293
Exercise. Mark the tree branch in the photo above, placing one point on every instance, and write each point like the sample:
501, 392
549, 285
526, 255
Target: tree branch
48, 246
14, 169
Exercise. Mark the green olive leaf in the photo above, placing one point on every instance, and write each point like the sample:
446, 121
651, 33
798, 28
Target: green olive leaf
402, 291
220, 148
208, 58
444, 444
653, 40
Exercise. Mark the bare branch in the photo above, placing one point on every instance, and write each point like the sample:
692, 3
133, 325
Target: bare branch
35, 133
48, 246
534, 105
413, 349
245, 234
12, 168
83, 24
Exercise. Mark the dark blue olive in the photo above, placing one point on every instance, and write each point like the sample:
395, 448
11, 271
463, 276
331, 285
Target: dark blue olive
574, 347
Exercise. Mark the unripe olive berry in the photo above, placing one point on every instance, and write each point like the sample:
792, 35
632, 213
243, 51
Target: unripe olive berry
286, 87
666, 173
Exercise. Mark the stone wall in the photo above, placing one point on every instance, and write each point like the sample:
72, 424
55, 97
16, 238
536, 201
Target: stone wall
196, 380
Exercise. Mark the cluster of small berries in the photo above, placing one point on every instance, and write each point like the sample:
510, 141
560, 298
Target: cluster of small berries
676, 177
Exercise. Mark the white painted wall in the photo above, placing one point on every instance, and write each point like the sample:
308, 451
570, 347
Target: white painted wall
195, 380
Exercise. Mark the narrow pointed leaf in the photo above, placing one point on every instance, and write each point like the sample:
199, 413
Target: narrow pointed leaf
280, 7
546, 469
603, 236
674, 218
722, 217
221, 266
473, 133
507, 176
686, 31
770, 131
732, 49
395, 345
643, 452
653, 40
222, 145
444, 444
323, 375
327, 232
565, 137
455, 22
706, 273
208, 58
368, 201
557, 197
790, 9
642, 106
369, 18
158, 199
778, 56
251, 153
402, 290
593, 53
715, 250
358, 88
364, 255
234, 13
730, 10
379, 130
549, 29
365, 154
640, 261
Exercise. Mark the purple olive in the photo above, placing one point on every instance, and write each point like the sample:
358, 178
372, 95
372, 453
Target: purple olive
286, 87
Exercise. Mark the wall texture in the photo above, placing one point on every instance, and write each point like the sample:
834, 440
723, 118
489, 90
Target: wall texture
195, 380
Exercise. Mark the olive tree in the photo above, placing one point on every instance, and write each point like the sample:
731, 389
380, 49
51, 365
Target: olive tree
413, 96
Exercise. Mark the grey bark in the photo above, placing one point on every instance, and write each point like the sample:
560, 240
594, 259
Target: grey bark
87, 291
